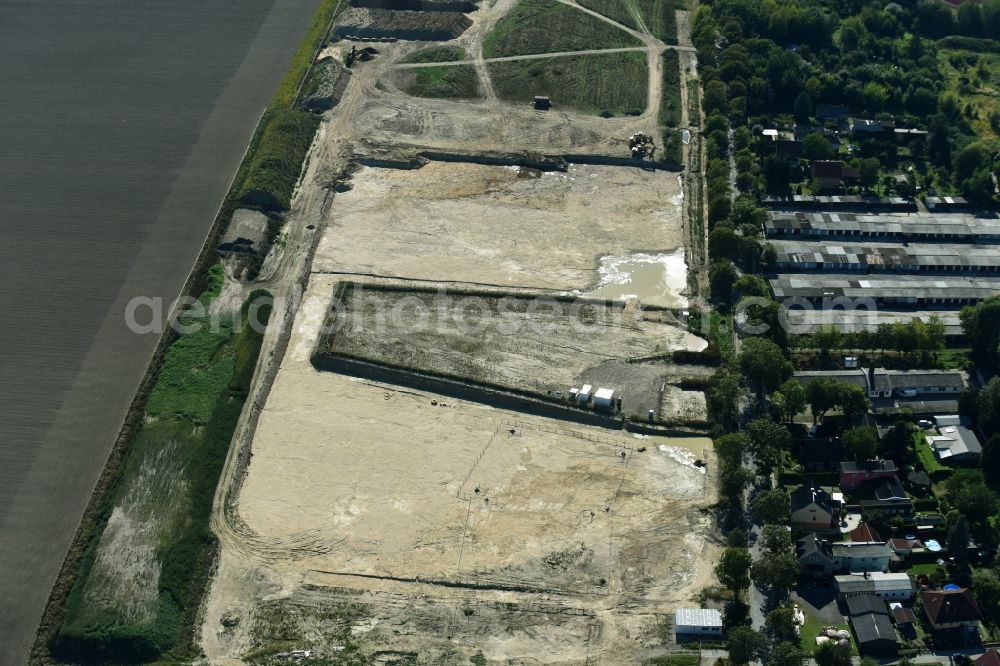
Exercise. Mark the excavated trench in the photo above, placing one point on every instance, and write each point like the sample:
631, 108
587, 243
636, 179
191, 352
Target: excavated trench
418, 5
379, 23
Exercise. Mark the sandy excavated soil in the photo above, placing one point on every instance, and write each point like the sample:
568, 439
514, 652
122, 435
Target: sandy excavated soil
364, 486
503, 226
526, 344
391, 524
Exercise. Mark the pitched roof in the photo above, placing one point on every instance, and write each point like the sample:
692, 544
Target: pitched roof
872, 550
827, 169
865, 533
905, 544
890, 489
861, 604
804, 495
871, 628
870, 466
991, 658
904, 615
947, 606
697, 617
873, 582
809, 544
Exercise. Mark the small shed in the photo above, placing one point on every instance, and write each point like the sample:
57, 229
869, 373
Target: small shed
604, 398
698, 622
584, 394
542, 103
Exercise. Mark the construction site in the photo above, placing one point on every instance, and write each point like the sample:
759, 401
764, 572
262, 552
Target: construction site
470, 436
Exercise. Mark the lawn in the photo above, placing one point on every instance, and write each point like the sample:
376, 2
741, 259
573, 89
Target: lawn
614, 82
926, 456
810, 630
547, 26
451, 81
657, 17
924, 568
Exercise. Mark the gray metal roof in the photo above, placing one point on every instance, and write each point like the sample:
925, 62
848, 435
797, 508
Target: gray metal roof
861, 604
697, 617
806, 322
916, 226
874, 628
876, 256
873, 582
887, 288
887, 379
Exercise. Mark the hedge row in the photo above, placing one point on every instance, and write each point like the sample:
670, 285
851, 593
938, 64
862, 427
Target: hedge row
277, 161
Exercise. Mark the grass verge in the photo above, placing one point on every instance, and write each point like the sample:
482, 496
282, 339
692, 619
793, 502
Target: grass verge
143, 574
547, 26
613, 82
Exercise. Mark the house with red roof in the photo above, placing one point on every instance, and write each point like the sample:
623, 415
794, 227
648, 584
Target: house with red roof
949, 610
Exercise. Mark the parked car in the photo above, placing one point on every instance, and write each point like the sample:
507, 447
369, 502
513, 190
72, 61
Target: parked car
906, 393
925, 424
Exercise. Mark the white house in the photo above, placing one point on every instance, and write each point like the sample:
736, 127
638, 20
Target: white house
698, 622
895, 586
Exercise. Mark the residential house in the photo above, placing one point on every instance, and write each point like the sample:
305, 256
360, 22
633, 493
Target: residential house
918, 481
821, 453
802, 131
869, 618
871, 127
815, 560
831, 174
954, 440
859, 557
890, 498
812, 509
990, 658
950, 610
864, 533
894, 586
698, 622
853, 474
906, 547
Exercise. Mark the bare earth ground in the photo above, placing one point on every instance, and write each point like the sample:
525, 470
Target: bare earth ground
353, 515
352, 479
492, 225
